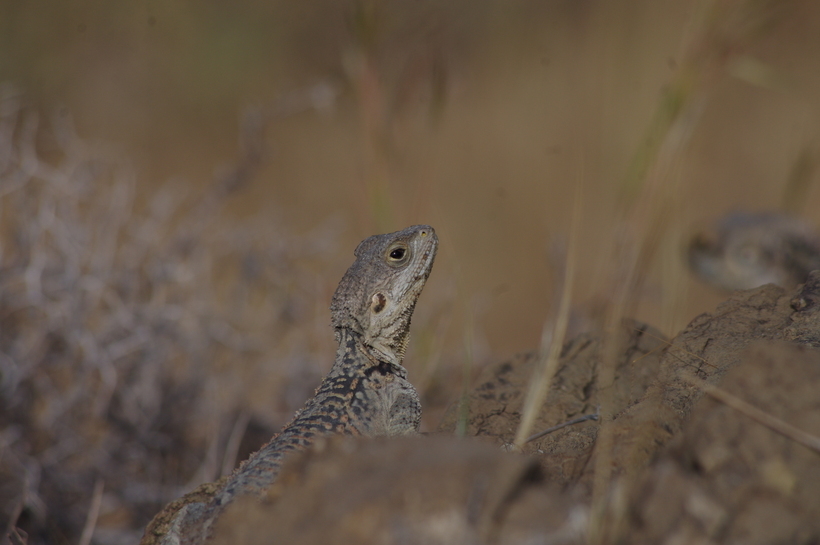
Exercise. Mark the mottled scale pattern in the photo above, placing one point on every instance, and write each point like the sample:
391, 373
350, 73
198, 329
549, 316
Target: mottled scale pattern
370, 399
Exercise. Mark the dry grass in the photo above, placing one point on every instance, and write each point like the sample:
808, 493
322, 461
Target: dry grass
650, 226
553, 338
123, 372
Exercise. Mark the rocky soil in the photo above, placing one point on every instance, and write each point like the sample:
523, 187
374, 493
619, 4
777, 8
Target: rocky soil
679, 465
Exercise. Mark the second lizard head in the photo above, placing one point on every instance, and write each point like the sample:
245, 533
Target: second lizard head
378, 293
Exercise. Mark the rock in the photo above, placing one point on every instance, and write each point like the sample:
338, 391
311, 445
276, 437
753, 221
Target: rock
425, 490
727, 478
493, 408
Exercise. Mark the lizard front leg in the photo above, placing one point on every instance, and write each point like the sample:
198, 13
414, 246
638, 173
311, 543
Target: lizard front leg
404, 415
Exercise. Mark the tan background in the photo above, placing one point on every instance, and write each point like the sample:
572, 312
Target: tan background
475, 118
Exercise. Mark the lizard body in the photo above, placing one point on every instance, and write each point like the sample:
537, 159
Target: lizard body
366, 392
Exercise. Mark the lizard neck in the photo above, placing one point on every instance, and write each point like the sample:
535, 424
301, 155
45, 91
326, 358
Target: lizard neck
353, 352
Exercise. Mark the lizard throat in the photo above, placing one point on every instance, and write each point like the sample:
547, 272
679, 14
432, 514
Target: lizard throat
354, 350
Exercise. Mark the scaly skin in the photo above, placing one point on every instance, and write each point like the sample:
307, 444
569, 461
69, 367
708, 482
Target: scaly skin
359, 397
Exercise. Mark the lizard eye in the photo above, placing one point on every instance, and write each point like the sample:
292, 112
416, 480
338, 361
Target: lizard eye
397, 255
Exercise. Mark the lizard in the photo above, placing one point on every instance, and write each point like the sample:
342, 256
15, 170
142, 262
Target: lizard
746, 250
365, 394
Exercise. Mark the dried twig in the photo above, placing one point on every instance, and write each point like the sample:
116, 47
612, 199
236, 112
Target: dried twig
557, 427
761, 417
232, 447
93, 513
551, 340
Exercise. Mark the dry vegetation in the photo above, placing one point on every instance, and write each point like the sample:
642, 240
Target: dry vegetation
153, 333
131, 336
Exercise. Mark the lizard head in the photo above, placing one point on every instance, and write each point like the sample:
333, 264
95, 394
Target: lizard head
378, 293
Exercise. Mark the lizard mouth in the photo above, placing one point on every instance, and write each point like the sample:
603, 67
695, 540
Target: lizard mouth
425, 265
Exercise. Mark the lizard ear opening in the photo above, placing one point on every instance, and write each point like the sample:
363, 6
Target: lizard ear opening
378, 302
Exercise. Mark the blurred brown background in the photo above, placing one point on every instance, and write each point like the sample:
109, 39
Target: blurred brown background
477, 118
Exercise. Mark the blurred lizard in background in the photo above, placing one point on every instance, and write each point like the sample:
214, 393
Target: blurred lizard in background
746, 250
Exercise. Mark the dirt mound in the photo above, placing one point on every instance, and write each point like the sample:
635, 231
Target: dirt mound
650, 396
726, 478
435, 490
684, 467
493, 408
